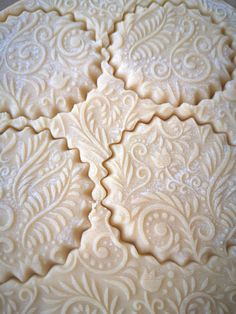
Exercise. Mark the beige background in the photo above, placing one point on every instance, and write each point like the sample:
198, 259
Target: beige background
5, 3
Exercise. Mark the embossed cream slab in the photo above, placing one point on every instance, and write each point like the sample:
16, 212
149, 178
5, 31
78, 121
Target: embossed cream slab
103, 274
99, 121
107, 276
220, 111
171, 189
220, 12
99, 15
45, 197
48, 62
171, 54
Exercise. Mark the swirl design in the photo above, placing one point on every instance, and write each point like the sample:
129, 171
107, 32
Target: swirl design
72, 44
7, 217
171, 182
201, 301
83, 304
204, 228
25, 57
43, 55
191, 59
107, 255
38, 191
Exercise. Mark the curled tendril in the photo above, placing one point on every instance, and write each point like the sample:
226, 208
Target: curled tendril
8, 244
232, 296
204, 227
100, 251
197, 300
30, 54
202, 44
161, 70
43, 33
196, 182
138, 150
5, 209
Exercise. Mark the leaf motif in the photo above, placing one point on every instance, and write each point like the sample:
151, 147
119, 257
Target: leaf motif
173, 306
113, 304
194, 154
185, 287
120, 285
178, 296
193, 283
144, 34
106, 298
41, 210
204, 284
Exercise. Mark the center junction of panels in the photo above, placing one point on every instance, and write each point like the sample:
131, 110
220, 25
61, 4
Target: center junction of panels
117, 157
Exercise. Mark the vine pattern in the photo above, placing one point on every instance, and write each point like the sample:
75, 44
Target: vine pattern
195, 287
40, 184
170, 202
95, 124
87, 293
34, 46
176, 68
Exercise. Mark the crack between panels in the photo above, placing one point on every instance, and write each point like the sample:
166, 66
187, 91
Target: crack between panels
148, 254
22, 9
180, 2
78, 234
33, 275
110, 147
211, 90
119, 228
84, 91
120, 237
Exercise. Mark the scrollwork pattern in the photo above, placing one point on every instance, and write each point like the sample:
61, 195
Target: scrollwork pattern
36, 46
178, 68
99, 122
176, 194
40, 182
176, 208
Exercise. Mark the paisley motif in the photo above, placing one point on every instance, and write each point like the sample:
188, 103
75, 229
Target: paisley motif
168, 187
41, 182
98, 122
100, 251
41, 53
199, 300
185, 67
170, 184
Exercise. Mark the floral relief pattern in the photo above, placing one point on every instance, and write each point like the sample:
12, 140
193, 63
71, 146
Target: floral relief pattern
99, 121
137, 284
48, 62
219, 11
148, 224
172, 196
186, 67
44, 201
220, 111
99, 15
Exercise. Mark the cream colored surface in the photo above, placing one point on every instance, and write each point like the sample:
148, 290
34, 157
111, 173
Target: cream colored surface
99, 16
95, 124
171, 54
48, 63
45, 199
108, 276
171, 195
192, 166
